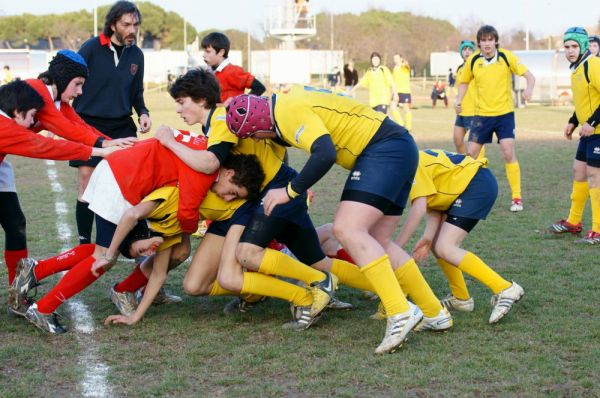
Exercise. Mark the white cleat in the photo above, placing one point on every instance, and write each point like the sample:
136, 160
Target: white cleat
397, 329
503, 301
451, 303
440, 323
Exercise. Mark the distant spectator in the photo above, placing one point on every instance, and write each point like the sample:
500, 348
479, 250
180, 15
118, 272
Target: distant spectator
594, 45
301, 12
170, 78
451, 78
334, 78
350, 76
7, 77
439, 93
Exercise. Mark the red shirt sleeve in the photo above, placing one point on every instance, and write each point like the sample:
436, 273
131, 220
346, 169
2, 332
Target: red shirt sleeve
193, 187
65, 123
17, 140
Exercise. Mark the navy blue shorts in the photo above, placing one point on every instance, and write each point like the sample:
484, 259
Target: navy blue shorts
105, 230
588, 150
241, 216
385, 170
464, 122
484, 127
478, 199
405, 98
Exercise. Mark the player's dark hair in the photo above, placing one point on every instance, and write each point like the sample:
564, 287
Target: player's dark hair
199, 85
248, 172
218, 41
487, 31
139, 232
115, 13
20, 97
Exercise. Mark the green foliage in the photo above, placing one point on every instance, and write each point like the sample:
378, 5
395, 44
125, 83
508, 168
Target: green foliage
412, 36
159, 27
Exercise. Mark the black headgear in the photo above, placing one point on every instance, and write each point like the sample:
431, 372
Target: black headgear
66, 66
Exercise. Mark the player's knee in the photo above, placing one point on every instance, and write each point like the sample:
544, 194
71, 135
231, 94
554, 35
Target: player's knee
441, 249
228, 281
248, 255
341, 232
193, 288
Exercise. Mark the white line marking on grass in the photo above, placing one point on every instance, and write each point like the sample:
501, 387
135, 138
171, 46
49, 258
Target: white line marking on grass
94, 382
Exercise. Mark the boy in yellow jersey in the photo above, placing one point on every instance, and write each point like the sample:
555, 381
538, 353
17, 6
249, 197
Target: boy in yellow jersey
463, 120
456, 191
380, 83
240, 177
290, 225
491, 69
401, 76
585, 82
337, 129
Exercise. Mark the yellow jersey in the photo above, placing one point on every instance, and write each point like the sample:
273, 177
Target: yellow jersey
379, 83
586, 95
164, 218
442, 176
306, 113
492, 81
401, 76
468, 101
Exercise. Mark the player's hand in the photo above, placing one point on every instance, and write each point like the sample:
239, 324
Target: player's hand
120, 142
421, 250
273, 198
99, 266
569, 129
104, 152
164, 135
145, 123
528, 93
457, 108
116, 319
586, 130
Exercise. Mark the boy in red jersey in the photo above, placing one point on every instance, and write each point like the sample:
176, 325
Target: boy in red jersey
19, 106
233, 80
118, 184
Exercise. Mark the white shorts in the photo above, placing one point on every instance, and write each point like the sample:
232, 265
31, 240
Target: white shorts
104, 195
7, 177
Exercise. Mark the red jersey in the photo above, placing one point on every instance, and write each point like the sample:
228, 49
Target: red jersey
64, 122
233, 80
148, 165
17, 140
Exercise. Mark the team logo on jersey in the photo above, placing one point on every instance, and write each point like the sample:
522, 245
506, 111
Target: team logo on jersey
597, 151
133, 69
355, 175
457, 203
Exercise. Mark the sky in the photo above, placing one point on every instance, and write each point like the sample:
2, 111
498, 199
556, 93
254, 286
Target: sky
541, 17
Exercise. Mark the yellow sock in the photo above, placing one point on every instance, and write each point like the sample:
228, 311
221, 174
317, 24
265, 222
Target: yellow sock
579, 197
595, 202
350, 275
251, 298
397, 117
265, 285
456, 280
277, 263
379, 272
217, 290
481, 152
513, 174
414, 284
408, 118
474, 266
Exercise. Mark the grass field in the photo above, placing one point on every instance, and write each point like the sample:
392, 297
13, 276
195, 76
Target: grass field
549, 345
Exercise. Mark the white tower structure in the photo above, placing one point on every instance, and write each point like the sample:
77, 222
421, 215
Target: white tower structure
290, 21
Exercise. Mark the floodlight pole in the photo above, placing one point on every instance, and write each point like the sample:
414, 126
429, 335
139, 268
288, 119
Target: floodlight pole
95, 19
184, 34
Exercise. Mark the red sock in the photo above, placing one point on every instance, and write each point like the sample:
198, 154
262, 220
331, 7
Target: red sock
63, 261
74, 281
11, 258
133, 282
343, 255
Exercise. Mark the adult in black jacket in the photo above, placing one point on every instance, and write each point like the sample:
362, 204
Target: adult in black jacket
115, 85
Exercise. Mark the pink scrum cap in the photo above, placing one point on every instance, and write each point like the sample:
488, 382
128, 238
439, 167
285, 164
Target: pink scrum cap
248, 114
